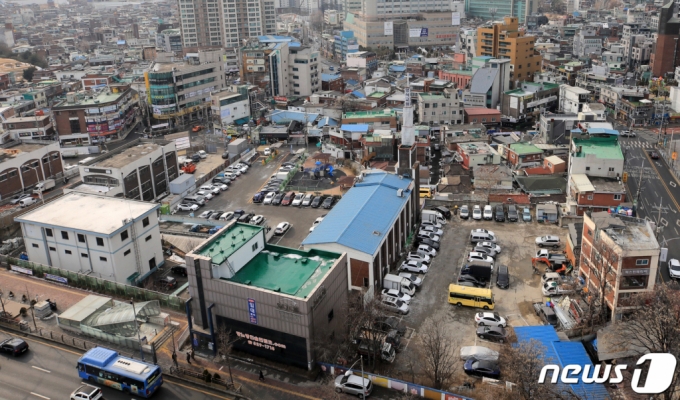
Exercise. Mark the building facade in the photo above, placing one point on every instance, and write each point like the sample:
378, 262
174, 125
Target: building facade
38, 127
229, 107
27, 162
122, 244
442, 109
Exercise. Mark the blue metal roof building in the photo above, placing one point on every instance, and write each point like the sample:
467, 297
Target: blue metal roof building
361, 223
563, 353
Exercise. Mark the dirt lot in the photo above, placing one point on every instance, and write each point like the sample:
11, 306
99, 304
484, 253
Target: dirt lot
517, 241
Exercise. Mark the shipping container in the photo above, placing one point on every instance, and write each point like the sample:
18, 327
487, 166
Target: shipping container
237, 147
182, 184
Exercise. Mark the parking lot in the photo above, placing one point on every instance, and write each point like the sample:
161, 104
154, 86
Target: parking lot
517, 241
239, 196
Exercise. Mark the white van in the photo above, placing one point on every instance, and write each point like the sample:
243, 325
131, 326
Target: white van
476, 237
27, 202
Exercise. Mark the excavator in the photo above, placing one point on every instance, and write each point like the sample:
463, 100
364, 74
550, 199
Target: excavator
561, 268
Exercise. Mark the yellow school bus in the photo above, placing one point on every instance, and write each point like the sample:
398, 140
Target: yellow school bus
471, 297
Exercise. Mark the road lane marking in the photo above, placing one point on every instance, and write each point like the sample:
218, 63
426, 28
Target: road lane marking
673, 184
664, 184
41, 369
41, 396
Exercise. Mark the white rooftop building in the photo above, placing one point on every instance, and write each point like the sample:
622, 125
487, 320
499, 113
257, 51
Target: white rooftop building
107, 237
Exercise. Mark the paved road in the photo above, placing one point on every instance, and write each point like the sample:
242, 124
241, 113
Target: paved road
48, 371
658, 194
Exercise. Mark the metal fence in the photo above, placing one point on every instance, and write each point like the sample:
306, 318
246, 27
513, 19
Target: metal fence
98, 285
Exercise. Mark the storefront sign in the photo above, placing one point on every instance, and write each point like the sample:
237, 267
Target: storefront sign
56, 278
260, 342
252, 311
21, 270
388, 29
640, 271
446, 36
281, 99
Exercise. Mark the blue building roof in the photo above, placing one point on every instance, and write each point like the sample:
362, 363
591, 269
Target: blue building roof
284, 117
365, 214
562, 353
275, 39
327, 121
329, 77
357, 93
354, 127
600, 131
397, 68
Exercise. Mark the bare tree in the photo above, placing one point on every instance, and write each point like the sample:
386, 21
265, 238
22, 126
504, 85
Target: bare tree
224, 342
438, 348
654, 327
361, 319
486, 179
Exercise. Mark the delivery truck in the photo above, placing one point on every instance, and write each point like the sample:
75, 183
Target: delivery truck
44, 186
391, 281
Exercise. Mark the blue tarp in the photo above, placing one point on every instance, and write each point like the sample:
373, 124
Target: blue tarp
600, 131
358, 94
329, 77
354, 127
397, 68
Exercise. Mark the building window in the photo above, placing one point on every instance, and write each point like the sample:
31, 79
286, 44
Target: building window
81, 238
35, 245
100, 242
330, 316
64, 235
587, 168
48, 232
67, 252
102, 259
633, 282
641, 262
84, 255
124, 235
611, 169
617, 197
126, 252
255, 246
145, 222
147, 238
53, 249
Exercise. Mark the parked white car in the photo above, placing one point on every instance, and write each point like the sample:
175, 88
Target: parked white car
674, 268
205, 193
297, 200
257, 220
418, 256
394, 305
220, 186
397, 295
490, 246
430, 228
208, 188
268, 198
477, 213
488, 213
415, 279
187, 207
423, 248
490, 319
413, 266
548, 241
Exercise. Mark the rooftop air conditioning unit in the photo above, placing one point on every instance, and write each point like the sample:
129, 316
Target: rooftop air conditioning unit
400, 192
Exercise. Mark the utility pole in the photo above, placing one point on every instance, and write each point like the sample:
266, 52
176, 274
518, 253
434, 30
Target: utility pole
663, 113
658, 220
637, 196
31, 306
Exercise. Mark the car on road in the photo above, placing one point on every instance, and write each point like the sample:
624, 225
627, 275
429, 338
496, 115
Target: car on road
354, 385
281, 228
418, 256
490, 319
180, 270
477, 213
297, 201
526, 214
87, 392
288, 198
187, 207
431, 229
499, 214
225, 155
269, 197
548, 241
167, 282
13, 346
493, 333
471, 280
488, 213
654, 155
415, 279
318, 200
464, 211
17, 198
627, 133
397, 295
259, 197
328, 202
485, 369
413, 266
674, 268
267, 152
257, 220
307, 201
197, 128
278, 199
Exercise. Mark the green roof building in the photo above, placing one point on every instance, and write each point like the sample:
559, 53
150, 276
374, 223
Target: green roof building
274, 300
596, 156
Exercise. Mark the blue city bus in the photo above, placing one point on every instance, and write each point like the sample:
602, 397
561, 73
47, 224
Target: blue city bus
107, 367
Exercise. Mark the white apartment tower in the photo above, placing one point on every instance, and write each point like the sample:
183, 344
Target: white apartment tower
225, 23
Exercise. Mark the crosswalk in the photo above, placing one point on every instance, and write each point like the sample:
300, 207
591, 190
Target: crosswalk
638, 143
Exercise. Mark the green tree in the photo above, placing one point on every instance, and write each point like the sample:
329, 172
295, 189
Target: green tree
28, 73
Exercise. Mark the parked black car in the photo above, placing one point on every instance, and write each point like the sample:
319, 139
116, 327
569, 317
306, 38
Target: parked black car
225, 155
167, 282
196, 158
488, 369
513, 215
278, 198
444, 211
180, 270
328, 202
503, 277
500, 213
431, 243
387, 324
258, 197
245, 218
471, 279
317, 201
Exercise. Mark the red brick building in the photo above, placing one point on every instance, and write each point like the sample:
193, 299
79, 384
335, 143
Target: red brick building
594, 194
461, 78
484, 116
335, 83
4, 81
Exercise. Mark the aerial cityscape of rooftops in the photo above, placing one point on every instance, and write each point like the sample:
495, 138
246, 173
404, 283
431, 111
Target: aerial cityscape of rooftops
327, 199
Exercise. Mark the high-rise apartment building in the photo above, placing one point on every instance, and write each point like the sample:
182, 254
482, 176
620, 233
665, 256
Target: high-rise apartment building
665, 49
492, 9
505, 41
377, 8
208, 23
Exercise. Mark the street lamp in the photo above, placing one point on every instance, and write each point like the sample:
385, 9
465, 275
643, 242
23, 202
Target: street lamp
139, 339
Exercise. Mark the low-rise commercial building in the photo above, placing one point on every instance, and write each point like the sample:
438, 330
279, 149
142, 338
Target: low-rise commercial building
229, 108
111, 238
527, 101
573, 98
139, 170
27, 162
594, 194
275, 302
442, 109
38, 127
478, 153
380, 119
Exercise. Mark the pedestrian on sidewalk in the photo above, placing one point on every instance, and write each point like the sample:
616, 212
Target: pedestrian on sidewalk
188, 357
261, 376
174, 359
192, 355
